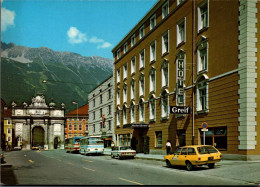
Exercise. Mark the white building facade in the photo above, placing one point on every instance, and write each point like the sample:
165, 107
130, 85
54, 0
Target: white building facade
101, 111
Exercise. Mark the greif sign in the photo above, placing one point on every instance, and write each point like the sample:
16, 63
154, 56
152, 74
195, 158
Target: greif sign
180, 110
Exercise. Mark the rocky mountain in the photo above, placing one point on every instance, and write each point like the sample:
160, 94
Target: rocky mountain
69, 76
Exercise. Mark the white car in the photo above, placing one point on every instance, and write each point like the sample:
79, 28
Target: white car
123, 152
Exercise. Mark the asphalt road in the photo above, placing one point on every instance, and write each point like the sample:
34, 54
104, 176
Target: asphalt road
56, 167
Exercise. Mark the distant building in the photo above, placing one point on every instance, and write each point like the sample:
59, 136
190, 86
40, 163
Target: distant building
2, 125
8, 127
38, 124
101, 111
180, 54
77, 122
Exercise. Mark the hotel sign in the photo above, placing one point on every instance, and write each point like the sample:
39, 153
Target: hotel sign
180, 110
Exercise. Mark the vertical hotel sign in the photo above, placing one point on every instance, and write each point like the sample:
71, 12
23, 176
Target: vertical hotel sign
180, 81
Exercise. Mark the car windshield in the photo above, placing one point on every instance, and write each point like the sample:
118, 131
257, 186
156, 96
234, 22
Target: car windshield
96, 142
125, 148
206, 150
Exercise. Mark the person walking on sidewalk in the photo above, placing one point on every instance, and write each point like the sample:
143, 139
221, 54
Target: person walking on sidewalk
168, 147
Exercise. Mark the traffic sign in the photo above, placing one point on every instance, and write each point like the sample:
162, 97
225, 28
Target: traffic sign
204, 125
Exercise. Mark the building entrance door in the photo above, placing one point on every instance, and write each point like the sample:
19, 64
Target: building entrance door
38, 136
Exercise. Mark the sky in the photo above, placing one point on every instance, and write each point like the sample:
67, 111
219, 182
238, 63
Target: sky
86, 27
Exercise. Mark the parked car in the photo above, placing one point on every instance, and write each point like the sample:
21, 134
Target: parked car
2, 155
123, 152
194, 155
35, 147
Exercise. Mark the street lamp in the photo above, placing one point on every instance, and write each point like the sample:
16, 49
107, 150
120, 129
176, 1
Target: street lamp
75, 103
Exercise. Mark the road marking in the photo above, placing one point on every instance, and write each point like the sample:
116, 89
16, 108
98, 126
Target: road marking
88, 160
130, 181
31, 161
88, 169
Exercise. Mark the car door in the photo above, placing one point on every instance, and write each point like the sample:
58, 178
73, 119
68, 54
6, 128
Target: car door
182, 157
174, 160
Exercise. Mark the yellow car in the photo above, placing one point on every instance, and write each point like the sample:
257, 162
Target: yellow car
194, 155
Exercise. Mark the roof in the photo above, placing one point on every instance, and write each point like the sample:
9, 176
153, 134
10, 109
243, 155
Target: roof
7, 113
83, 110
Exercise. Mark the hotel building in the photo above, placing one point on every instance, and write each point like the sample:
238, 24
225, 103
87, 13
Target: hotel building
203, 54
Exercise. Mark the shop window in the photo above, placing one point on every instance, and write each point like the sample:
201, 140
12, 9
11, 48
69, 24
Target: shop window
216, 137
158, 142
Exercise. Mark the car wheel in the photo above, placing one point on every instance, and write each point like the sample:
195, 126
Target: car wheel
189, 166
168, 164
212, 165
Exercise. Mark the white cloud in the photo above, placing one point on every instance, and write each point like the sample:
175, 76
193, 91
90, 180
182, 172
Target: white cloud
75, 36
104, 45
7, 18
96, 40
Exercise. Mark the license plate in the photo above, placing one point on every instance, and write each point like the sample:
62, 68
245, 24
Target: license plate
210, 158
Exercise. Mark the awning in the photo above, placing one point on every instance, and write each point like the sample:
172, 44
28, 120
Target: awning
136, 125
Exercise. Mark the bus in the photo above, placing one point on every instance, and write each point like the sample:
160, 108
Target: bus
72, 144
92, 145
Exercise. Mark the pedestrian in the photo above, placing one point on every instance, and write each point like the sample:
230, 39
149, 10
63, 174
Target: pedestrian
168, 147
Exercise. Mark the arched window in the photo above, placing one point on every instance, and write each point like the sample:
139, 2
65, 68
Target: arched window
165, 73
152, 107
132, 88
141, 110
124, 115
202, 93
152, 79
132, 111
141, 85
124, 93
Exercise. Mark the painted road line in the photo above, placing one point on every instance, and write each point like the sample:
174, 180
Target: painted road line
87, 160
31, 161
88, 169
130, 181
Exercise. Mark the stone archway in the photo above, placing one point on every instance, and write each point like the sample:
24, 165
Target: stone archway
38, 136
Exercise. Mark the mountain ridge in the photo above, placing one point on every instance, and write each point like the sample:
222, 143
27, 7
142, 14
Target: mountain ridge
69, 75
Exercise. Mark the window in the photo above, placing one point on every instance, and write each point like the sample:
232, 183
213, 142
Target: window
109, 109
70, 127
203, 16
152, 79
94, 115
133, 65
141, 59
141, 85
181, 31
141, 111
100, 98
9, 131
109, 94
9, 139
125, 48
165, 73
100, 125
118, 75
118, 53
152, 109
101, 112
118, 97
75, 127
132, 40
9, 122
141, 32
118, 118
132, 113
152, 21
165, 10
124, 116
80, 127
216, 137
152, 52
86, 127
202, 94
132, 89
158, 137
125, 93
164, 104
125, 71
109, 125
165, 43
202, 59
180, 2
94, 128
94, 104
